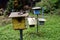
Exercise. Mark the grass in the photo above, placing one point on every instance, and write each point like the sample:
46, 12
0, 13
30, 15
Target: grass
49, 31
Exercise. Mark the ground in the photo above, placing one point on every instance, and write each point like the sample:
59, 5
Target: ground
49, 31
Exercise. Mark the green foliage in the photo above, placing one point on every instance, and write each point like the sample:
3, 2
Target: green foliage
57, 11
9, 7
53, 1
49, 5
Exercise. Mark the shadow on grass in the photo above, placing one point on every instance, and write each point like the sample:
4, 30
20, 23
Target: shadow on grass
32, 34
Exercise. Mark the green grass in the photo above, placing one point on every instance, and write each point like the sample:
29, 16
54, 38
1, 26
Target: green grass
49, 31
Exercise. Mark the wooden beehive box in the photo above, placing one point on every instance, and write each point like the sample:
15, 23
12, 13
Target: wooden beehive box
31, 21
18, 20
41, 21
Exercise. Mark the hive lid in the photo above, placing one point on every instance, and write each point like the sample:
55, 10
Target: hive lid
36, 8
16, 14
41, 19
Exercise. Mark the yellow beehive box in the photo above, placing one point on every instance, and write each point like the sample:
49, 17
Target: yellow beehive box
18, 20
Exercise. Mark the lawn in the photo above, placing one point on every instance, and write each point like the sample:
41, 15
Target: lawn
49, 31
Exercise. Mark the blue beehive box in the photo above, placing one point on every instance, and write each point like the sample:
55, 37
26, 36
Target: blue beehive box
36, 10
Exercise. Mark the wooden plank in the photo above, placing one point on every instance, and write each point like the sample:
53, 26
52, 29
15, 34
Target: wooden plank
16, 14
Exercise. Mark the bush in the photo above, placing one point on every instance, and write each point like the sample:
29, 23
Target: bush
57, 12
49, 5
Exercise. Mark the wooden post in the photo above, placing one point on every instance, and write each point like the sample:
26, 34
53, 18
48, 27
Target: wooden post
21, 34
37, 23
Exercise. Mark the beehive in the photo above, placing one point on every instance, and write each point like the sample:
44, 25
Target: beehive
18, 20
36, 10
41, 21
